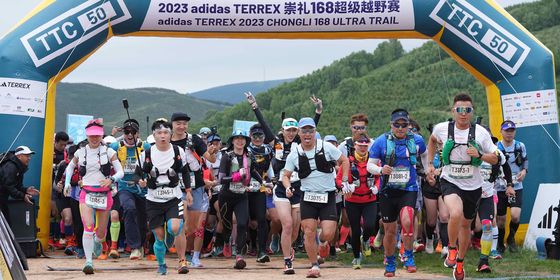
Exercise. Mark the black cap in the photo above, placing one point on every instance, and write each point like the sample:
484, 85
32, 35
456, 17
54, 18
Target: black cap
399, 114
256, 129
179, 116
131, 123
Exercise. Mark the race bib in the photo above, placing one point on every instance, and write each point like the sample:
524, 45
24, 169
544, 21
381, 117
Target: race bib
217, 189
485, 172
399, 177
316, 197
459, 171
254, 186
370, 182
514, 178
164, 193
238, 188
96, 200
129, 166
193, 180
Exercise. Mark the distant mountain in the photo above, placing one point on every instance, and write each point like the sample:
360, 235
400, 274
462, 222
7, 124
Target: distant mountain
233, 93
105, 102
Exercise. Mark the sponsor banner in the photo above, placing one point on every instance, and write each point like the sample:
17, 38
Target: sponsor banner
531, 108
22, 97
243, 125
543, 217
76, 126
482, 33
279, 16
73, 28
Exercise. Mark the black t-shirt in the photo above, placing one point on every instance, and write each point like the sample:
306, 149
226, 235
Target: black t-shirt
196, 144
58, 156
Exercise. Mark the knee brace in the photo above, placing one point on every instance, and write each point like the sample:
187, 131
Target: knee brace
410, 230
486, 226
170, 227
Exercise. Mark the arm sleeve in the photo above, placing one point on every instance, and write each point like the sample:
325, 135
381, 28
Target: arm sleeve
60, 171
69, 171
11, 182
224, 170
119, 172
524, 154
188, 158
507, 173
268, 135
317, 118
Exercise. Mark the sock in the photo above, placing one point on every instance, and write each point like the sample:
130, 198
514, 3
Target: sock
196, 256
115, 230
287, 260
486, 242
208, 234
494, 238
332, 250
443, 234
344, 232
512, 230
159, 251
87, 241
501, 235
430, 231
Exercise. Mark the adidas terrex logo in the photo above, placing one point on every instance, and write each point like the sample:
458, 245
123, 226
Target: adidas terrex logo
16, 85
546, 222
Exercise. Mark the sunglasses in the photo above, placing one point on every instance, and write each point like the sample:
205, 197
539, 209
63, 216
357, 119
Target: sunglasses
400, 125
129, 131
290, 124
257, 136
461, 110
359, 127
94, 124
308, 130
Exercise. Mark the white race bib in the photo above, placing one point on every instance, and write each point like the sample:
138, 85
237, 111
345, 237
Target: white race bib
130, 166
460, 171
316, 197
254, 186
217, 189
514, 178
193, 180
370, 182
238, 188
399, 177
96, 200
164, 193
485, 171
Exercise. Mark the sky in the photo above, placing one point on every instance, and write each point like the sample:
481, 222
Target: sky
190, 65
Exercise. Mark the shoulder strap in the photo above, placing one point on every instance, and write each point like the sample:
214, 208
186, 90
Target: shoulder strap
349, 147
451, 130
177, 161
389, 147
501, 147
472, 133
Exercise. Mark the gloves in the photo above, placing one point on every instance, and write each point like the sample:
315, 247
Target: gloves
251, 99
374, 190
347, 188
66, 190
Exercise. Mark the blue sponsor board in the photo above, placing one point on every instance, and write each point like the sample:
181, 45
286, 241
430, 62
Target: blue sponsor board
72, 28
243, 125
75, 126
482, 33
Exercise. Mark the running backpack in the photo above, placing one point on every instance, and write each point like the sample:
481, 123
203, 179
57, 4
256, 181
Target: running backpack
176, 167
450, 144
517, 152
410, 146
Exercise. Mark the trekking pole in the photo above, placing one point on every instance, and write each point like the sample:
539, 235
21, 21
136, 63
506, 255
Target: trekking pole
147, 125
125, 105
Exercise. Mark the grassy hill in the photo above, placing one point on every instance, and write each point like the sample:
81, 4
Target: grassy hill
233, 93
376, 83
105, 102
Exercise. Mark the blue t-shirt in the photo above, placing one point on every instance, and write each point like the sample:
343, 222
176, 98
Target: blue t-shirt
404, 175
129, 166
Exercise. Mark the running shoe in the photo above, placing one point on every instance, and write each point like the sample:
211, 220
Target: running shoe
97, 248
162, 269
366, 249
62, 242
275, 244
439, 247
429, 246
172, 250
512, 247
418, 247
80, 254
494, 254
378, 242
324, 249
227, 250
458, 275
483, 266
390, 266
239, 263
314, 272
218, 251
88, 268
252, 252
451, 259
444, 251
357, 263
183, 267
288, 267
263, 258
151, 257
134, 255
196, 263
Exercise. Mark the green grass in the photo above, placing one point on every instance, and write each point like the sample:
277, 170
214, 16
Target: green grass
517, 265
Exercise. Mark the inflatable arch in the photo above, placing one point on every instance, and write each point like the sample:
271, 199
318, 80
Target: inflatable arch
56, 37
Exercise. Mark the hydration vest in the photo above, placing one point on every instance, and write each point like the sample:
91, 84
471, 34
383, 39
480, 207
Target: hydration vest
104, 168
172, 173
320, 162
517, 152
410, 147
123, 150
450, 144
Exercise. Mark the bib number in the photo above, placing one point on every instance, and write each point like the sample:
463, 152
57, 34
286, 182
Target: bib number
130, 166
217, 189
164, 193
96, 200
193, 180
485, 171
370, 182
514, 178
399, 177
254, 186
458, 171
316, 197
237, 188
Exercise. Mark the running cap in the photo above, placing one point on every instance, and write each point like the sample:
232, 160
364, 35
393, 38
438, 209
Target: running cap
131, 123
256, 129
205, 130
399, 114
214, 137
303, 122
179, 116
289, 123
23, 150
330, 138
507, 124
95, 127
362, 141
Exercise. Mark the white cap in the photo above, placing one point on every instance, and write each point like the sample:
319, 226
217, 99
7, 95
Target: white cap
23, 150
109, 139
